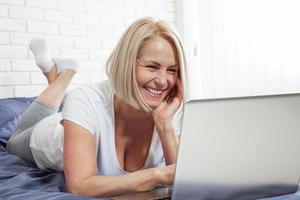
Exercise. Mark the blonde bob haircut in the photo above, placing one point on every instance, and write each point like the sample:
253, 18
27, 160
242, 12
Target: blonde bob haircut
121, 64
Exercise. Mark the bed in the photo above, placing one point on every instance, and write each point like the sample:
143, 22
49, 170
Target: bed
19, 180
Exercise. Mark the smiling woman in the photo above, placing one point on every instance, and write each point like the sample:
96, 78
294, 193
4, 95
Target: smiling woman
145, 41
116, 136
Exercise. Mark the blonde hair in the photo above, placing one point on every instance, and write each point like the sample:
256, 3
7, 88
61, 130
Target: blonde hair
121, 64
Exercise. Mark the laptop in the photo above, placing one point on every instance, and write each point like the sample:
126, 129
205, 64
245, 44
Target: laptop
237, 148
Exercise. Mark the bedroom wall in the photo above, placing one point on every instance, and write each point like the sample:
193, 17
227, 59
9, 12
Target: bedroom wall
83, 29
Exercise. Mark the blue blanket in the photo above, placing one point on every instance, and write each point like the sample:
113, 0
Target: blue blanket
18, 180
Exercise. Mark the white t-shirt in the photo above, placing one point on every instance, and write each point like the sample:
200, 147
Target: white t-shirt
91, 107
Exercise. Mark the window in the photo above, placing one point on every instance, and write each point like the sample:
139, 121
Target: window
241, 47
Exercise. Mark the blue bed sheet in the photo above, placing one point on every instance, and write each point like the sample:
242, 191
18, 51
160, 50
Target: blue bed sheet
19, 180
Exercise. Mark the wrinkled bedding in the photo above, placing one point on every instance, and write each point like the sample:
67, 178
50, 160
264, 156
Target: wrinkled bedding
19, 180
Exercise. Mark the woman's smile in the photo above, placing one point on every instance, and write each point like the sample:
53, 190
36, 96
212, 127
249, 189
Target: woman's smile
153, 92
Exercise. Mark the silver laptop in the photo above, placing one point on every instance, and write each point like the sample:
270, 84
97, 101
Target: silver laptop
239, 148
236, 148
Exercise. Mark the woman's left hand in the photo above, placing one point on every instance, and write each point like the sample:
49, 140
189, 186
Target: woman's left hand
163, 114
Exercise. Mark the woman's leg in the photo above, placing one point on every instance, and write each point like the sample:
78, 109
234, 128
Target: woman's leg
46, 104
53, 95
59, 72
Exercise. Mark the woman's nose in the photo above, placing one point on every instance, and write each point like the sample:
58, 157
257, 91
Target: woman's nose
161, 80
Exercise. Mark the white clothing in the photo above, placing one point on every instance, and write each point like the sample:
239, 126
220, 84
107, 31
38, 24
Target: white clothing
92, 108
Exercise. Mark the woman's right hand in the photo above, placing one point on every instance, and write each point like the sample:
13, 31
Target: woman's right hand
160, 175
166, 174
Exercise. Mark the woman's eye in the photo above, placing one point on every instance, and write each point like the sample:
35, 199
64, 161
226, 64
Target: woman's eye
172, 71
151, 67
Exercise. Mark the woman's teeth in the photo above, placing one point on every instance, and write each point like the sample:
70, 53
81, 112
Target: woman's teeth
153, 92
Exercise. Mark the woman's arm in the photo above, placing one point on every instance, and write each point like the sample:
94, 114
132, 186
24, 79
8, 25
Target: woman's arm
162, 117
80, 168
166, 132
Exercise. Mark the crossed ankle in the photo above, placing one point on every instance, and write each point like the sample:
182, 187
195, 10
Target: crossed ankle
43, 59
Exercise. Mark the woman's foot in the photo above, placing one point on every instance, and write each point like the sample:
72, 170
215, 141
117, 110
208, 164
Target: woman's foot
42, 54
51, 68
63, 64
60, 66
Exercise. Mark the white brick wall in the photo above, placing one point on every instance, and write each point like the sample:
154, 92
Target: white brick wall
83, 29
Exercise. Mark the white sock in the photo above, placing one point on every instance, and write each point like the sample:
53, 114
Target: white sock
62, 64
42, 54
